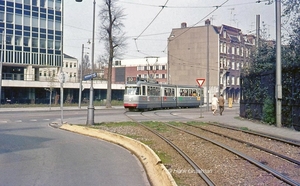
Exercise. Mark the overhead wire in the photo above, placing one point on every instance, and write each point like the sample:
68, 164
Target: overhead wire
162, 8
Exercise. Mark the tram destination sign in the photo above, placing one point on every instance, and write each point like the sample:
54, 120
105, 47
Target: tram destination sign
89, 76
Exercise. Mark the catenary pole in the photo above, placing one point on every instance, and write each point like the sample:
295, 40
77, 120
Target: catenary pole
80, 81
278, 89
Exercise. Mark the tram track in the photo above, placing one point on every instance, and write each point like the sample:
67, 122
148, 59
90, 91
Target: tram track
197, 169
259, 164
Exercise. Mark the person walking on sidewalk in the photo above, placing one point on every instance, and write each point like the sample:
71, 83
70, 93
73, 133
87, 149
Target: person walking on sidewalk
221, 104
214, 104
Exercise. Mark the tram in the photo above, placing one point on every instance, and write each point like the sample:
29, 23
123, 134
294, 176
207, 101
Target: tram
148, 96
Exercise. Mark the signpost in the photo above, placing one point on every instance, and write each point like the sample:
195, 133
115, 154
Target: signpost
89, 76
200, 82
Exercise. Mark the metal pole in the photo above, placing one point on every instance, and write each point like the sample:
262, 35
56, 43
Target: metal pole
278, 63
90, 117
80, 83
62, 62
1, 63
207, 66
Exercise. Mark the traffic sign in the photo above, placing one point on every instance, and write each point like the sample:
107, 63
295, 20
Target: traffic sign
200, 81
89, 76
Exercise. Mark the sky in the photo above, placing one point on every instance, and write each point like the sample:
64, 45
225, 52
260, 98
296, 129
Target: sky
148, 25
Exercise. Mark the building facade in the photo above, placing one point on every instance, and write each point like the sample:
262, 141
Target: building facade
214, 53
31, 37
154, 69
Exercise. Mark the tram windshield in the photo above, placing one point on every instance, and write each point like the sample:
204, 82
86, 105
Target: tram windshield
132, 91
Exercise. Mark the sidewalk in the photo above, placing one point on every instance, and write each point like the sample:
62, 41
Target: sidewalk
231, 117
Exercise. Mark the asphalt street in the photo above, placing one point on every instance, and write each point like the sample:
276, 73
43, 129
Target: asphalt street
33, 153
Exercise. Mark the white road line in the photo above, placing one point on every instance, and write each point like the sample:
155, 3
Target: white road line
33, 120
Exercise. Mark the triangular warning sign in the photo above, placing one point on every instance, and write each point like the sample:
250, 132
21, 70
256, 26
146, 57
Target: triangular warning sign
200, 81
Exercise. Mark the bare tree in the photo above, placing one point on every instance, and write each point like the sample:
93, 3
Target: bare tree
112, 34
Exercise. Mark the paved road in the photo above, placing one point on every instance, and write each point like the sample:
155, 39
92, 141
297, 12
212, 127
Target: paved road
32, 153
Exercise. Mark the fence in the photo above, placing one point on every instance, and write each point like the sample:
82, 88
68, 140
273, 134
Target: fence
257, 88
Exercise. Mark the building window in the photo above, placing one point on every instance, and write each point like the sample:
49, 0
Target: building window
34, 42
163, 76
50, 4
232, 80
43, 43
18, 40
57, 4
42, 3
57, 45
163, 67
27, 2
8, 39
145, 67
67, 65
50, 44
232, 65
50, 24
57, 25
70, 65
9, 17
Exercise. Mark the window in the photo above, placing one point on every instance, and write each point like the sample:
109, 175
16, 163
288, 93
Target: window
50, 4
163, 67
43, 23
27, 2
232, 80
1, 16
26, 20
57, 45
57, 25
8, 39
42, 3
43, 43
57, 4
50, 44
35, 42
67, 65
232, 65
9, 17
18, 40
50, 24
35, 22
26, 41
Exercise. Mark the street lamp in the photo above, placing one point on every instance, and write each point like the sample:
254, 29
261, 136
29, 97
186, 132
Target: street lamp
90, 115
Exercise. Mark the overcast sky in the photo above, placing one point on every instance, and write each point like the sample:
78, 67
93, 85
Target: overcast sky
152, 37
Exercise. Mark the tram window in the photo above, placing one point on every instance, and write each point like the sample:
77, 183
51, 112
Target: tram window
183, 92
143, 90
132, 91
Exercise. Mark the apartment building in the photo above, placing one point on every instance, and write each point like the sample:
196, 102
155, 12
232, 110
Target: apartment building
215, 53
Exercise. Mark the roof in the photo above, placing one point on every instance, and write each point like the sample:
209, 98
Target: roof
67, 56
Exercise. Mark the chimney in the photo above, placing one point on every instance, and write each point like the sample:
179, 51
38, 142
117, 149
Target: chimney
207, 22
183, 25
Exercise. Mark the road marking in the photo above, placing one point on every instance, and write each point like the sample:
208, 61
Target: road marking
33, 120
18, 121
46, 119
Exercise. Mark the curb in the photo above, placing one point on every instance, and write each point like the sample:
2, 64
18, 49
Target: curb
156, 171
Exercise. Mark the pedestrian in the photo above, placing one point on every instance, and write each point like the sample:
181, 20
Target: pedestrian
221, 104
214, 104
